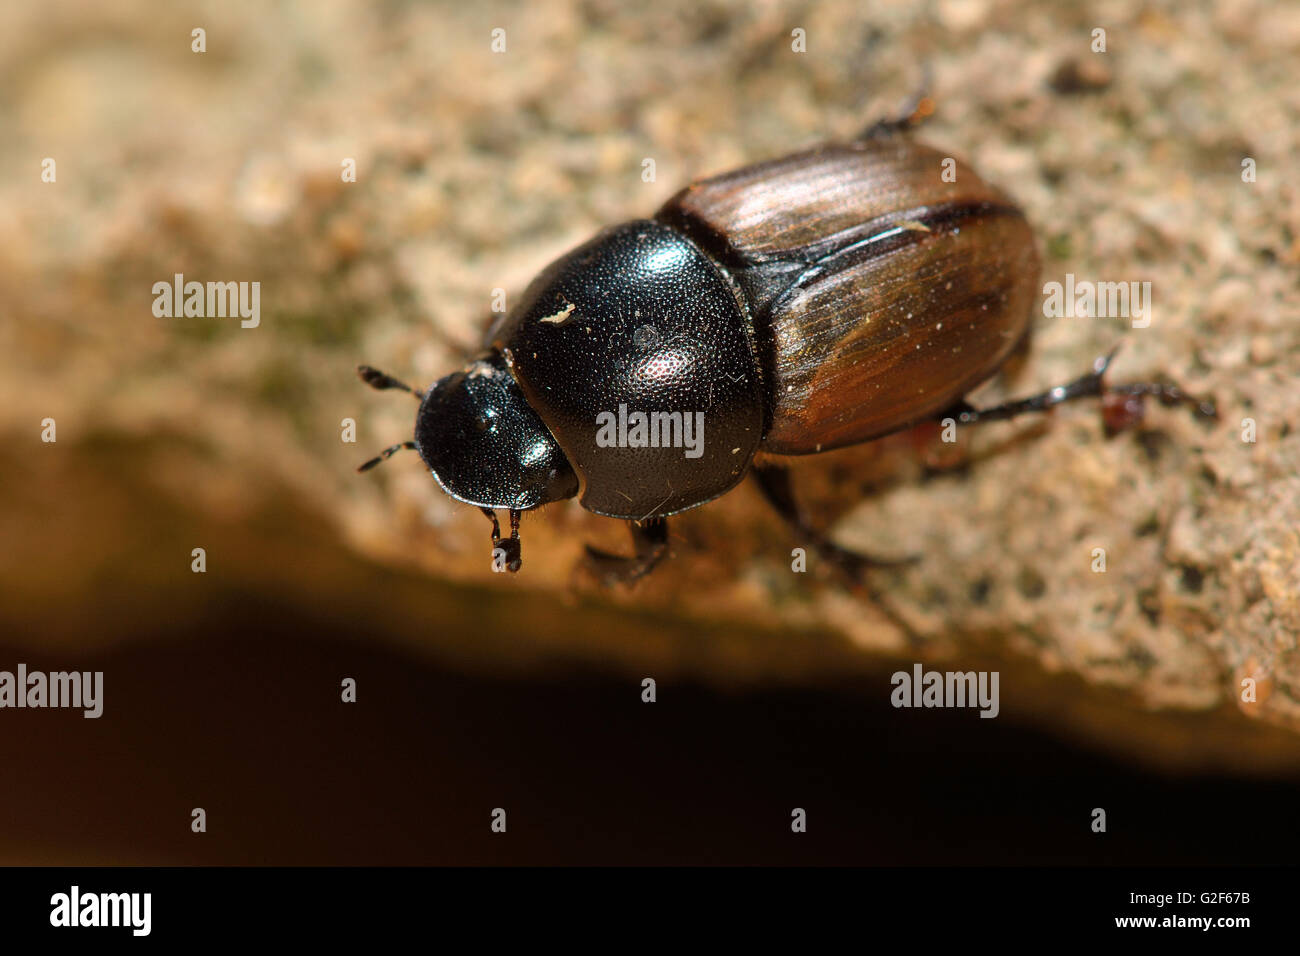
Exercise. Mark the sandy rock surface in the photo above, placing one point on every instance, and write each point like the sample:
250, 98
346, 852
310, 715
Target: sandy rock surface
475, 168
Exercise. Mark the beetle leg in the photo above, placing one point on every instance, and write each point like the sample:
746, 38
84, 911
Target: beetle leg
386, 454
774, 482
510, 547
1122, 405
649, 543
914, 113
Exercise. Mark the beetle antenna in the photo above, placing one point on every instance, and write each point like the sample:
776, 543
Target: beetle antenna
386, 454
381, 380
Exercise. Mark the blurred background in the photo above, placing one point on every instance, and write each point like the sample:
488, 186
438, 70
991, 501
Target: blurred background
475, 168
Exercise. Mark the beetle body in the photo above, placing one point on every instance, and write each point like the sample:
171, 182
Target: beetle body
789, 308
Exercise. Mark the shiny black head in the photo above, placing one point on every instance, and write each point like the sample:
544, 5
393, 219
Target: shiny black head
486, 445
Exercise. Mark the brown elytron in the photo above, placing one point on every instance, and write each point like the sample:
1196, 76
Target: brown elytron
878, 293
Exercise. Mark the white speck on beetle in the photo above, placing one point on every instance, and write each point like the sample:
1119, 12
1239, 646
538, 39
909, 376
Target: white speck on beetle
559, 318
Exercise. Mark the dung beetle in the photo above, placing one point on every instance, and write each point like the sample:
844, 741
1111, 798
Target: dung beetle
791, 307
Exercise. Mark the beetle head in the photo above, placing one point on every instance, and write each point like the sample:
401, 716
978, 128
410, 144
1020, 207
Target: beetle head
486, 445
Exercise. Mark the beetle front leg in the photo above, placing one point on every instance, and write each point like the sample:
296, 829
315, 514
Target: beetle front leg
649, 544
1122, 405
507, 554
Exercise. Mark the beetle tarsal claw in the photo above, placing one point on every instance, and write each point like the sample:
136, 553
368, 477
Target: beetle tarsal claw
510, 556
506, 552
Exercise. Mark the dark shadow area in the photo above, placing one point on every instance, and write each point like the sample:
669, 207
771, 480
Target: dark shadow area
245, 720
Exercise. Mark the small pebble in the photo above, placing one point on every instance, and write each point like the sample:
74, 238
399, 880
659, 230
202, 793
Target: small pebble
1081, 76
1263, 351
